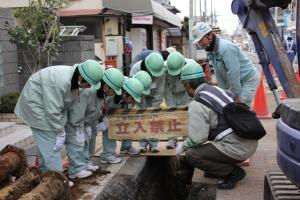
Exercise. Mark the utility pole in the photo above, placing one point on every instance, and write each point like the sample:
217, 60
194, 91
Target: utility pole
194, 7
211, 13
205, 10
191, 23
200, 9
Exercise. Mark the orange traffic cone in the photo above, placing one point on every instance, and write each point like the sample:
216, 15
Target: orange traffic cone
298, 76
272, 70
283, 95
260, 103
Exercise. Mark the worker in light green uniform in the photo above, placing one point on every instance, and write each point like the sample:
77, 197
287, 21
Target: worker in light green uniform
113, 81
76, 137
175, 94
44, 101
233, 69
92, 114
145, 79
154, 64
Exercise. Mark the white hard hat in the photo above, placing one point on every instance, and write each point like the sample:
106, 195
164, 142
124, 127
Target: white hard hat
199, 31
171, 49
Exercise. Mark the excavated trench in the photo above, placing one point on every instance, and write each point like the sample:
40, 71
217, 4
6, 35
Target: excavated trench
155, 180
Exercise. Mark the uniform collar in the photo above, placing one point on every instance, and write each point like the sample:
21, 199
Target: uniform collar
216, 44
199, 88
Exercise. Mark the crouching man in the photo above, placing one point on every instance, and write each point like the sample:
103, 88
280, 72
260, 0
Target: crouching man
211, 145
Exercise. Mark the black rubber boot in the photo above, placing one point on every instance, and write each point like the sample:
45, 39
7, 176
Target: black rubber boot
208, 175
231, 180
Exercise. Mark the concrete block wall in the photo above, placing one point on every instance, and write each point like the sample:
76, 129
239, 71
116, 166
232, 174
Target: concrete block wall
75, 49
9, 80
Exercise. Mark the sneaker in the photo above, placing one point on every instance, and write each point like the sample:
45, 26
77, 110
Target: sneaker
82, 174
172, 143
71, 184
232, 179
154, 149
143, 149
92, 167
111, 160
130, 150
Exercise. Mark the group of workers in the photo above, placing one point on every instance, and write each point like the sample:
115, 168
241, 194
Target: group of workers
67, 106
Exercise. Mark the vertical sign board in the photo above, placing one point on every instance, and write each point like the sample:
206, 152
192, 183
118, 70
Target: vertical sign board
157, 123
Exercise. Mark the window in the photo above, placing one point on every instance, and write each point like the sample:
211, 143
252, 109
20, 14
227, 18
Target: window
94, 25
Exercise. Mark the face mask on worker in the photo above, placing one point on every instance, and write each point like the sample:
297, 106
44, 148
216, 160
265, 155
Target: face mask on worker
82, 83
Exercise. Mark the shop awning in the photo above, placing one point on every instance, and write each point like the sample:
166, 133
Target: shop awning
143, 8
78, 12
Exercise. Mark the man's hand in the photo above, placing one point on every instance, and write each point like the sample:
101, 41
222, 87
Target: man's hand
102, 126
179, 149
237, 99
60, 140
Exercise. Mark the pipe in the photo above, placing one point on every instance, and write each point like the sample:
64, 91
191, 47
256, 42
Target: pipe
12, 162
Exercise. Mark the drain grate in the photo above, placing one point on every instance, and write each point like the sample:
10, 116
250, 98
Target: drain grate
278, 187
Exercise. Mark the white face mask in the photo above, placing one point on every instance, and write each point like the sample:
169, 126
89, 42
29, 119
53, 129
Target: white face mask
83, 85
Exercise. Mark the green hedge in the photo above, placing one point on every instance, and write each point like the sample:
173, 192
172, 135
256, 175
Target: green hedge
8, 102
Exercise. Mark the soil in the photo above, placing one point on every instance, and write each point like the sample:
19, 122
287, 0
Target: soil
202, 191
76, 191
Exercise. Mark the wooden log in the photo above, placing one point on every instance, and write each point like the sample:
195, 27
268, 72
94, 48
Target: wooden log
53, 186
12, 162
23, 185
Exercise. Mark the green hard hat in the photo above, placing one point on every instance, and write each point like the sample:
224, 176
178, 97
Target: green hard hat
145, 80
91, 72
114, 79
155, 64
135, 88
175, 62
191, 71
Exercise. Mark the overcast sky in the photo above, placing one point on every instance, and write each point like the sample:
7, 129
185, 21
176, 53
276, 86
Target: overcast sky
226, 19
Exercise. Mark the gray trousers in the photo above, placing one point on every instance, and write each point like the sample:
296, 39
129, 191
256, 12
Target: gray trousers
205, 157
209, 159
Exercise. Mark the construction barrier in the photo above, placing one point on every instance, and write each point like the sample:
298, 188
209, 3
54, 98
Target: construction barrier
137, 124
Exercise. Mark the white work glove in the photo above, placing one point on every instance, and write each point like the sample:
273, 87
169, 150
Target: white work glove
179, 149
60, 140
88, 131
80, 136
102, 126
